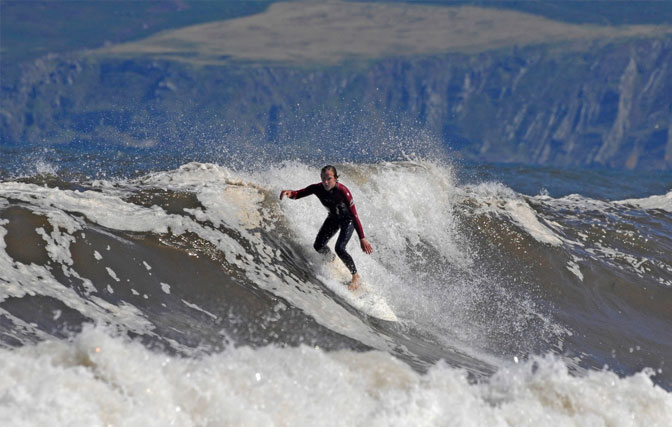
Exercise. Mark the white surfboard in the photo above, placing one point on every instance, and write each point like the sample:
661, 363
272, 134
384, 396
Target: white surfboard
364, 298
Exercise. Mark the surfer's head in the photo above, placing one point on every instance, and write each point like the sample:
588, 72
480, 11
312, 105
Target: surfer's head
329, 177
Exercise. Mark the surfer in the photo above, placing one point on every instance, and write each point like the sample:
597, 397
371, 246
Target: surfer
342, 216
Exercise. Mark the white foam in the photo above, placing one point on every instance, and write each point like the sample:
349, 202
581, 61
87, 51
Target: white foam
104, 209
525, 216
497, 199
165, 287
21, 280
573, 266
197, 308
638, 265
98, 380
652, 202
59, 240
112, 274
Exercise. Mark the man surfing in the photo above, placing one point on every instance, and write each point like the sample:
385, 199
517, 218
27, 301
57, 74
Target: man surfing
342, 216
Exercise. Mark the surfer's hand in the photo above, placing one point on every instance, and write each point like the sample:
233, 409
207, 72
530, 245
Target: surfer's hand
366, 246
284, 193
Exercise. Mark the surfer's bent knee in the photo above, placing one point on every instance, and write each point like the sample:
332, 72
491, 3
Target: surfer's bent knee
340, 251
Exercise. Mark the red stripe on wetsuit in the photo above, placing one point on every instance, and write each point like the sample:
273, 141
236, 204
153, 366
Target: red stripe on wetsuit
337, 197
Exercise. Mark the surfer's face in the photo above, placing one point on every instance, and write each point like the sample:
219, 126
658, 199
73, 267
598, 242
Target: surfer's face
328, 180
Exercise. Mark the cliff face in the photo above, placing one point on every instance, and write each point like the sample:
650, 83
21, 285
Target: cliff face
611, 107
607, 105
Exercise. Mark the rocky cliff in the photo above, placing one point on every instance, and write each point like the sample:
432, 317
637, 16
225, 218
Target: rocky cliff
590, 105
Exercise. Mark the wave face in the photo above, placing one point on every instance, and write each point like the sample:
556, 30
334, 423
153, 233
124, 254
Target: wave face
193, 296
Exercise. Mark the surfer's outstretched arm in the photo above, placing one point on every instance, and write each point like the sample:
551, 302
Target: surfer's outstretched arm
298, 194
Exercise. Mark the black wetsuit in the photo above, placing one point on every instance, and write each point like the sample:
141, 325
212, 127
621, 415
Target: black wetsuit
342, 216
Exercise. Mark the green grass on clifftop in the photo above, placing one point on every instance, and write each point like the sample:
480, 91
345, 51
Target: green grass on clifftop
305, 33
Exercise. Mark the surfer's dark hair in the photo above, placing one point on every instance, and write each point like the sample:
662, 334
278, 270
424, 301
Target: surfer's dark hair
329, 168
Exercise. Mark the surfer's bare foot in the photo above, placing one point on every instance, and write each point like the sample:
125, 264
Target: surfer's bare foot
354, 283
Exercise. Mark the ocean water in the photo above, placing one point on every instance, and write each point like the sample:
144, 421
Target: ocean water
159, 288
